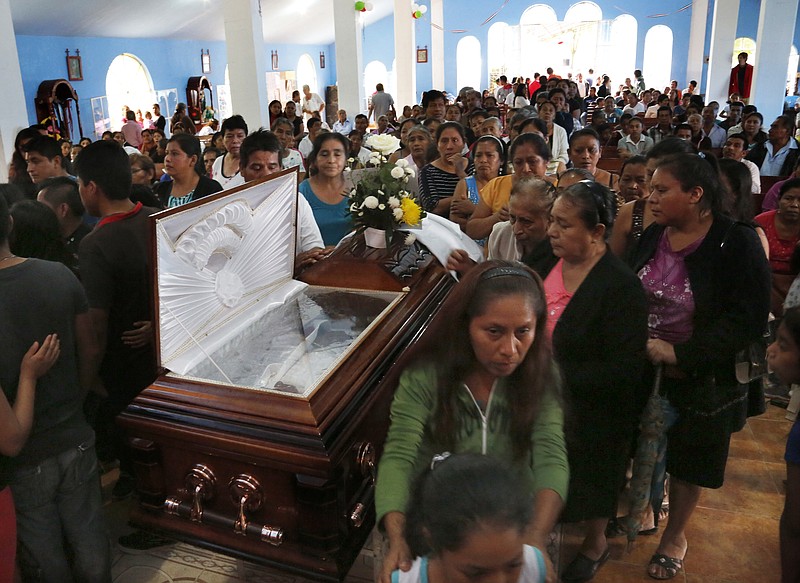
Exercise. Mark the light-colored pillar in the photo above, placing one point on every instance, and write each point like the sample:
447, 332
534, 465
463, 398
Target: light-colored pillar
773, 45
697, 41
723, 34
437, 43
244, 37
405, 55
348, 29
15, 113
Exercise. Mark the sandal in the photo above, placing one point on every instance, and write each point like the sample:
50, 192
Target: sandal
583, 569
616, 527
671, 565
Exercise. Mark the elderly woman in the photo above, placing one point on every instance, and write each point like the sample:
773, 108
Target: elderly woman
707, 282
489, 389
601, 351
529, 155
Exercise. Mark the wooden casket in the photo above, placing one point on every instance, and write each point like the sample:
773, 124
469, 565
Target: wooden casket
260, 439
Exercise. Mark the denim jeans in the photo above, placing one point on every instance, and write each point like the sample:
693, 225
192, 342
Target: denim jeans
60, 526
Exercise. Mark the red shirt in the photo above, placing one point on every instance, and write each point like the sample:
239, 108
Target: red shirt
780, 250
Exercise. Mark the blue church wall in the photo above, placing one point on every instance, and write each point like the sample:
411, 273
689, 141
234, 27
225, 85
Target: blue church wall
169, 62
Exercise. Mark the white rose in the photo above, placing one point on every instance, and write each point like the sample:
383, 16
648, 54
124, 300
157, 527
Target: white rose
410, 238
401, 163
381, 206
410, 172
370, 202
398, 172
398, 214
384, 143
394, 202
353, 208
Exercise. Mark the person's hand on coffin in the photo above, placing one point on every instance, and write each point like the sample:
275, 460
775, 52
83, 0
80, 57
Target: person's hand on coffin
140, 336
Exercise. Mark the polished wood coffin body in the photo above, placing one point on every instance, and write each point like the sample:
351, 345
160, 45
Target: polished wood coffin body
274, 478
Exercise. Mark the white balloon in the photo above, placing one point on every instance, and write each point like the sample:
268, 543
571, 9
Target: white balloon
414, 7
423, 9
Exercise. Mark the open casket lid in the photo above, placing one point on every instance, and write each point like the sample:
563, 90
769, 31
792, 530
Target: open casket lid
221, 262
229, 312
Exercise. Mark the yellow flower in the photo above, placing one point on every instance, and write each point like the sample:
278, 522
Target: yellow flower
411, 211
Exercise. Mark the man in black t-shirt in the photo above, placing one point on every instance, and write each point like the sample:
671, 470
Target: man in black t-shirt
114, 261
160, 122
54, 478
61, 195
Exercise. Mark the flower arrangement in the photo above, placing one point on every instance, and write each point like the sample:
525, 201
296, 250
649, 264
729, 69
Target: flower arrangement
379, 199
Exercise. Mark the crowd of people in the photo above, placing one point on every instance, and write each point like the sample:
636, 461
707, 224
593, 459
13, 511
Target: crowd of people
598, 284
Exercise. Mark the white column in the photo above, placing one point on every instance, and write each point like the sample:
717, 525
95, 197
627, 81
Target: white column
348, 29
244, 38
405, 54
15, 113
697, 41
436, 13
773, 45
723, 33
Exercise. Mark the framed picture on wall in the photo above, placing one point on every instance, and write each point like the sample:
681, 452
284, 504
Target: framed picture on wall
74, 68
422, 55
205, 61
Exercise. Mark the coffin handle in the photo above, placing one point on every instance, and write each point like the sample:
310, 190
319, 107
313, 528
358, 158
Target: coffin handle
200, 482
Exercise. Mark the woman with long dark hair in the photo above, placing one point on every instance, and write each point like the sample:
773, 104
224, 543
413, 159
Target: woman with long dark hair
479, 380
324, 189
184, 164
707, 282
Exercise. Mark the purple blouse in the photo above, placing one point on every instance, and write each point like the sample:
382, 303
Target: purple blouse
669, 292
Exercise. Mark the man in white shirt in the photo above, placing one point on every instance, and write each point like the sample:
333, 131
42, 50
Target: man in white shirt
307, 144
634, 105
635, 143
342, 125
710, 128
312, 103
735, 148
261, 156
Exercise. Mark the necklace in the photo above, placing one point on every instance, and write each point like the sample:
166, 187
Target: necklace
8, 257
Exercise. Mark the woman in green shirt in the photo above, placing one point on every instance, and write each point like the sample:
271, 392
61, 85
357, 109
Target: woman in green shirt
480, 380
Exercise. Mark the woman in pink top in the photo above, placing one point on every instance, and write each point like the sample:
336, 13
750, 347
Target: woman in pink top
597, 314
782, 227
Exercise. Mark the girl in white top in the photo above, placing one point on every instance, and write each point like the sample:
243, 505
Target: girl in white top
467, 520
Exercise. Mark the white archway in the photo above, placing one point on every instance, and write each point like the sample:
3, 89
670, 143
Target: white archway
537, 25
128, 83
743, 45
621, 59
468, 63
657, 63
791, 73
502, 52
375, 72
580, 36
307, 75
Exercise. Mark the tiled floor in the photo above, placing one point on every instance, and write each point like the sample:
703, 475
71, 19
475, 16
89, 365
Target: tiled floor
733, 535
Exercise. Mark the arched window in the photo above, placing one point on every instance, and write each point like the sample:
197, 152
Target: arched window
579, 37
502, 53
621, 55
791, 74
538, 25
657, 65
583, 12
743, 45
307, 75
468, 63
128, 83
374, 73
